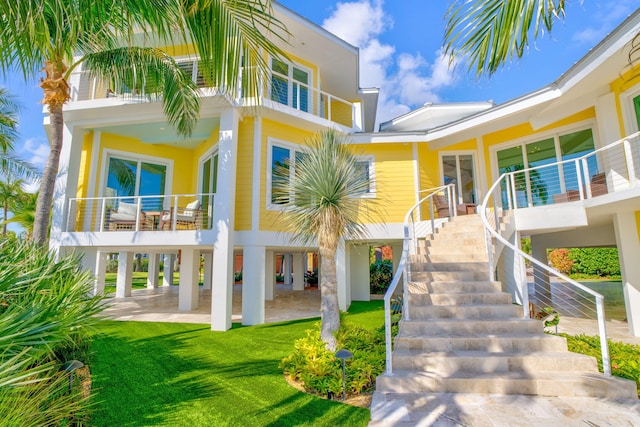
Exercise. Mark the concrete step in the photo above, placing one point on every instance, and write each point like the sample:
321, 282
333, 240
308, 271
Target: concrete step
440, 276
494, 312
528, 383
451, 266
454, 287
451, 256
460, 298
463, 327
456, 235
513, 342
467, 242
449, 363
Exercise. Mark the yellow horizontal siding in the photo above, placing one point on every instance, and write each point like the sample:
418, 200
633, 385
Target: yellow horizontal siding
626, 81
244, 175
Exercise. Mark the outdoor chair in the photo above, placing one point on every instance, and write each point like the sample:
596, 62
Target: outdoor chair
442, 207
124, 218
187, 218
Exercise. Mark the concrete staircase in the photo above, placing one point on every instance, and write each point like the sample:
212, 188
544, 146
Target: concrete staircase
466, 336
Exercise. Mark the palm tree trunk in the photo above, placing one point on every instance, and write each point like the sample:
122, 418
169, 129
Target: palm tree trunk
56, 93
329, 309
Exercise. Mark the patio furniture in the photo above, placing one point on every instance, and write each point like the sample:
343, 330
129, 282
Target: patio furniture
599, 185
442, 207
187, 218
569, 196
124, 218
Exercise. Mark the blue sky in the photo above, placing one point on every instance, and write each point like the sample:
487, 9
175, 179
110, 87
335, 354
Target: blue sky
400, 42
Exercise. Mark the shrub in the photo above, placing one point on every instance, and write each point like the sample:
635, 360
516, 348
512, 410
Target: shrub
625, 358
560, 259
380, 276
46, 318
320, 371
602, 262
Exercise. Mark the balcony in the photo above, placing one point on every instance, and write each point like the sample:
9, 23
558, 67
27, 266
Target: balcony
140, 213
280, 90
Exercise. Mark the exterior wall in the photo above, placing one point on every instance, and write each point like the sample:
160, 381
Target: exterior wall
269, 219
244, 175
394, 181
627, 81
84, 171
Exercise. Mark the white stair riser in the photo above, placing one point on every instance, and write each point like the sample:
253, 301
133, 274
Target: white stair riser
460, 299
435, 327
497, 344
503, 311
449, 287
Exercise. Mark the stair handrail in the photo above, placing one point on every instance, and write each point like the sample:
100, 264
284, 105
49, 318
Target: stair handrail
403, 272
483, 210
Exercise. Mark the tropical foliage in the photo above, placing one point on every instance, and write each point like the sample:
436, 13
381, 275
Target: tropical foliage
46, 319
10, 163
586, 262
323, 208
489, 33
380, 276
58, 36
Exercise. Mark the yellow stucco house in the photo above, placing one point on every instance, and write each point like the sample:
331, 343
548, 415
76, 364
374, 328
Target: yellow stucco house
129, 185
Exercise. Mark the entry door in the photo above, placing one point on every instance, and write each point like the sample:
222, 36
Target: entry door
458, 169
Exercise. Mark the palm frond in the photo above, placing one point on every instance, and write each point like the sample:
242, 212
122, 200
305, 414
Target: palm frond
489, 33
11, 164
151, 72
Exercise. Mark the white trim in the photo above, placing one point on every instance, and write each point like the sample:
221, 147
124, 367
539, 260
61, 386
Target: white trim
371, 159
95, 154
539, 136
209, 154
127, 155
474, 162
271, 142
311, 89
483, 186
628, 111
257, 162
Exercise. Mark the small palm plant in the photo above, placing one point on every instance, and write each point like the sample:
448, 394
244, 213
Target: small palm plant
323, 207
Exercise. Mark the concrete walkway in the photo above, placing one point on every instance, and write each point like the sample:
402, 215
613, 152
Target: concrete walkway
161, 305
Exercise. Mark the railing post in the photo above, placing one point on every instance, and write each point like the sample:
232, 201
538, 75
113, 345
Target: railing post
585, 175
602, 329
433, 221
138, 212
103, 213
68, 226
514, 192
329, 114
580, 189
628, 158
174, 217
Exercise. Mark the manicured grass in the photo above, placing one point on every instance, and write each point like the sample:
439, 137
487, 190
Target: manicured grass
185, 375
138, 281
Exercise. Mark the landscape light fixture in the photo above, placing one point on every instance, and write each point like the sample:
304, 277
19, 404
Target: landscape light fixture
71, 366
343, 354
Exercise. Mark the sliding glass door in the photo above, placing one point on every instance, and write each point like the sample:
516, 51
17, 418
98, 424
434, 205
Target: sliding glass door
127, 178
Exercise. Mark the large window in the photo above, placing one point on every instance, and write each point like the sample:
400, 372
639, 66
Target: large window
537, 187
458, 169
129, 177
290, 85
209, 183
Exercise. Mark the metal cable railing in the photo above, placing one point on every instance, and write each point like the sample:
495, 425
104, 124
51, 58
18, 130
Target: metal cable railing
417, 226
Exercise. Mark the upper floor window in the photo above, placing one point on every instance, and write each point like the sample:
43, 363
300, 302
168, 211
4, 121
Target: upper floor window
290, 85
134, 177
366, 167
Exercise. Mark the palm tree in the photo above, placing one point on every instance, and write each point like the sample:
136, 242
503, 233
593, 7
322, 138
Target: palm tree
10, 192
57, 36
488, 33
24, 213
10, 163
321, 208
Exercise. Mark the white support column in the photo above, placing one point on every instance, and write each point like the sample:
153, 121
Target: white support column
223, 221
287, 268
396, 254
189, 279
298, 271
66, 181
167, 275
270, 276
253, 284
626, 228
99, 274
359, 273
153, 271
342, 276
208, 269
125, 274
89, 259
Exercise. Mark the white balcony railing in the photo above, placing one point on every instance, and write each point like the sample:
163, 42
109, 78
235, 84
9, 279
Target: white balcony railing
140, 213
612, 168
280, 89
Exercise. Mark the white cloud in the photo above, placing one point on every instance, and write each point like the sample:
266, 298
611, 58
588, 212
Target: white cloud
608, 15
405, 80
36, 151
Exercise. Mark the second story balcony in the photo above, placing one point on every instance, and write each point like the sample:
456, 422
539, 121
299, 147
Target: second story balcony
288, 89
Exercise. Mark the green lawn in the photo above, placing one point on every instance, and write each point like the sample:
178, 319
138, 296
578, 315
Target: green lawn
138, 281
185, 375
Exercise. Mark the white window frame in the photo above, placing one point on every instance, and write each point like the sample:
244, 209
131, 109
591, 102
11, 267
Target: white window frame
290, 80
108, 153
292, 147
371, 194
209, 154
474, 160
628, 110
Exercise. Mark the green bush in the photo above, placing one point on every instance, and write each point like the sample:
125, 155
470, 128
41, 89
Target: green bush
46, 319
380, 276
625, 358
560, 259
320, 371
602, 262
